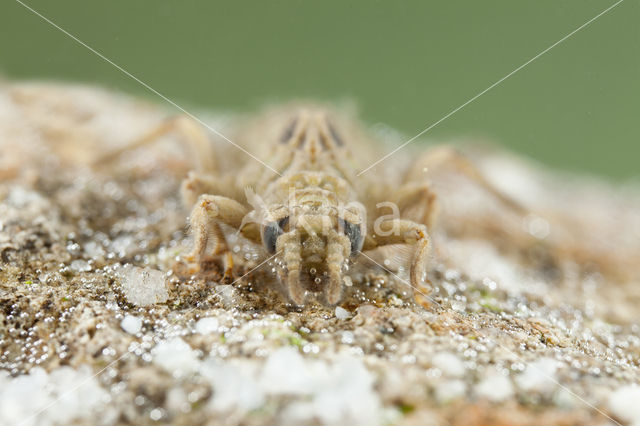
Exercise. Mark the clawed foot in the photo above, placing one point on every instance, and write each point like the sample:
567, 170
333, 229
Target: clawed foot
194, 264
192, 186
421, 294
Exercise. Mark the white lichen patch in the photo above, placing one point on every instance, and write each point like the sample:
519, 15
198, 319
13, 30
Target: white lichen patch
624, 403
207, 325
495, 387
176, 357
58, 397
539, 376
449, 364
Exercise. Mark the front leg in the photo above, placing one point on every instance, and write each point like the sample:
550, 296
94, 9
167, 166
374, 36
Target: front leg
207, 215
400, 231
442, 157
417, 201
193, 134
197, 184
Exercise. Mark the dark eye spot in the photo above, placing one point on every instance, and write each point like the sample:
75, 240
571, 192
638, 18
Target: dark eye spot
270, 233
288, 132
335, 135
354, 232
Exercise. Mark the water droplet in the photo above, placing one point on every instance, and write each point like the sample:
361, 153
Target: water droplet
537, 226
156, 414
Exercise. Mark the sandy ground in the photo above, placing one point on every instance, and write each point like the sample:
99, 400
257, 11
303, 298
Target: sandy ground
532, 320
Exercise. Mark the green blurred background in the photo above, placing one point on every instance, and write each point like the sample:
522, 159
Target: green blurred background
405, 64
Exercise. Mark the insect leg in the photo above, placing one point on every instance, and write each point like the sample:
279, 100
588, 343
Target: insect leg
289, 244
207, 215
416, 201
400, 231
192, 133
338, 248
196, 184
445, 156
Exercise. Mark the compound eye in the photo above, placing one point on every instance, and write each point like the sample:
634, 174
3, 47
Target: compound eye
270, 233
354, 232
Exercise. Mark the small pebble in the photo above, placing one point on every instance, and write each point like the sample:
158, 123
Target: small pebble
131, 324
207, 325
80, 266
143, 286
539, 376
176, 356
495, 388
342, 313
449, 364
450, 390
228, 295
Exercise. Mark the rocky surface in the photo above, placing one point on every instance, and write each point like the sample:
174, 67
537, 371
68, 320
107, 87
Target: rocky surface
531, 319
